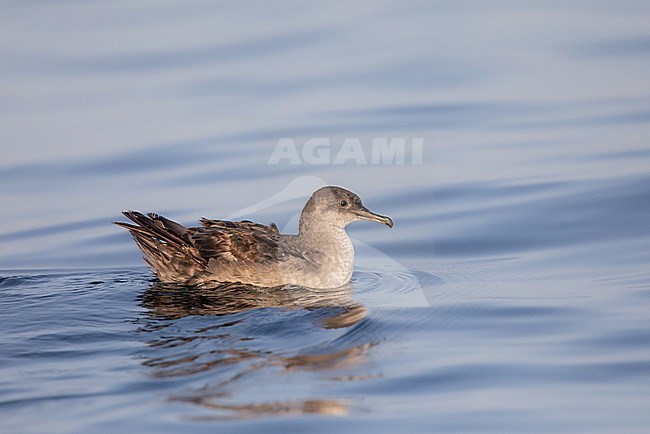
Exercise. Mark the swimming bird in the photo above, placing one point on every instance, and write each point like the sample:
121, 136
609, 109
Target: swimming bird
321, 255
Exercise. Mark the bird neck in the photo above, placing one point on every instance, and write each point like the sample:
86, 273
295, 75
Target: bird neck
333, 243
323, 235
310, 229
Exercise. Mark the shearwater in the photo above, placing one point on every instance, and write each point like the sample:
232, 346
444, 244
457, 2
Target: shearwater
321, 255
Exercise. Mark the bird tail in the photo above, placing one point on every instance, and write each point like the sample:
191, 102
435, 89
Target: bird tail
165, 245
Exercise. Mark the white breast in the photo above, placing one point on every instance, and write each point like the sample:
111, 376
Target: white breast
338, 261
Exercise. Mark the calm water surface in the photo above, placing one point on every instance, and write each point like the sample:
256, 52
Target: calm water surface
513, 294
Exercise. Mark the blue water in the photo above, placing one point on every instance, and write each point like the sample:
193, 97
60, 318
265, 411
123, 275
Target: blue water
513, 294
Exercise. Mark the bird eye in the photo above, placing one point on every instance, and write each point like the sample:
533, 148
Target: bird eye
344, 203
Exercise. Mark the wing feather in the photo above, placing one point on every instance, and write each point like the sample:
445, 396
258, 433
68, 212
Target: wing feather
221, 247
239, 241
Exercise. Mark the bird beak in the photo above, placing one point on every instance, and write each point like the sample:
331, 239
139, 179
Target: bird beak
366, 214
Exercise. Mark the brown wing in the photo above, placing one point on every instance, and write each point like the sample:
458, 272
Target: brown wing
243, 241
180, 254
244, 225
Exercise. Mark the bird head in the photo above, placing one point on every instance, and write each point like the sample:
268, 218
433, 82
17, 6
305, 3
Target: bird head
339, 207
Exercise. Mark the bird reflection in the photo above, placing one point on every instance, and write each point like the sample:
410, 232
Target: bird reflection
242, 334
170, 301
330, 407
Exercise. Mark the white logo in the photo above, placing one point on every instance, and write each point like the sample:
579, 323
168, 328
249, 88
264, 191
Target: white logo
320, 151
